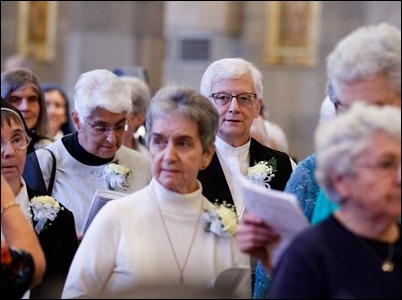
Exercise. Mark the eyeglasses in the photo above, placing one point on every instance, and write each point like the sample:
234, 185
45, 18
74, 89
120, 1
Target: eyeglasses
104, 130
244, 99
19, 141
386, 164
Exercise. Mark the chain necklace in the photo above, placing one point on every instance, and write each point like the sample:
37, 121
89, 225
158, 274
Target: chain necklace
180, 268
387, 265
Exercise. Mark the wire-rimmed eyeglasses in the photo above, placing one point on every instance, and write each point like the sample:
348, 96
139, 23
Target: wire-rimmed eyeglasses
243, 99
104, 130
19, 141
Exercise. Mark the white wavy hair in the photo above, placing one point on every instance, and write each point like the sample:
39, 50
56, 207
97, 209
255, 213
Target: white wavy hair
101, 89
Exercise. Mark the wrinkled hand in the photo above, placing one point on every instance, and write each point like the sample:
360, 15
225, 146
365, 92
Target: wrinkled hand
254, 236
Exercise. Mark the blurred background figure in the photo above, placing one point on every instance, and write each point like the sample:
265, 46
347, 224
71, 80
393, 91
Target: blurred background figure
363, 233
371, 73
133, 71
259, 132
22, 89
140, 96
276, 136
22, 260
58, 110
17, 61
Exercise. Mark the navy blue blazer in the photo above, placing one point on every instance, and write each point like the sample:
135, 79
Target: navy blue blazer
215, 187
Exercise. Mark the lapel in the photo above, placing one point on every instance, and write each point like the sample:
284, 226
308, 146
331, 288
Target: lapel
213, 179
257, 153
260, 152
214, 185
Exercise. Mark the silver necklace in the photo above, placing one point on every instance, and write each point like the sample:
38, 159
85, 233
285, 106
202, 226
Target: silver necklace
180, 268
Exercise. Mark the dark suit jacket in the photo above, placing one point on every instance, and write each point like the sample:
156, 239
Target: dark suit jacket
59, 243
213, 179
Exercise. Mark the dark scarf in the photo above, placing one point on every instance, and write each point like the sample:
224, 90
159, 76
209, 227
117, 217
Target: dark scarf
73, 147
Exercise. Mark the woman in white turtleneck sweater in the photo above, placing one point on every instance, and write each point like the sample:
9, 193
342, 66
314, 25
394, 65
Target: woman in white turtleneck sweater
160, 236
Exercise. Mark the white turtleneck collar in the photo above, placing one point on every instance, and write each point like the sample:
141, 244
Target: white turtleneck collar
175, 202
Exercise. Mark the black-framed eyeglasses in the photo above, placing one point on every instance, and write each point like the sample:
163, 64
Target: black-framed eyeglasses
243, 99
19, 141
104, 130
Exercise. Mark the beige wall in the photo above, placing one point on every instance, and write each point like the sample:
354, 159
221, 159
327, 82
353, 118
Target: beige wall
97, 34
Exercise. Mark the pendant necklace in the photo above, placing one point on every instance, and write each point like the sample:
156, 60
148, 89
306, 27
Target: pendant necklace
388, 264
180, 268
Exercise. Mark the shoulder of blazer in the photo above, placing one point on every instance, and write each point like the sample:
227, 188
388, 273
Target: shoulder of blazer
258, 150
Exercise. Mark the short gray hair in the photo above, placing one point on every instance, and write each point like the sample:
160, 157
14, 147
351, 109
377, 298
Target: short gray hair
230, 68
100, 89
188, 103
140, 93
339, 141
364, 53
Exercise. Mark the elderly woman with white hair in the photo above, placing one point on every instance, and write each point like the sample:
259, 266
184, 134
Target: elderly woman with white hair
93, 157
356, 252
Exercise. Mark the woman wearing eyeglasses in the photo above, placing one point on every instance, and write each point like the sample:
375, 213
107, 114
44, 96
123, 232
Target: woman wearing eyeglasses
166, 238
55, 229
234, 86
356, 252
93, 157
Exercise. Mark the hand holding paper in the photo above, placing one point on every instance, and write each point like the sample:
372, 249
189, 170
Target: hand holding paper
278, 209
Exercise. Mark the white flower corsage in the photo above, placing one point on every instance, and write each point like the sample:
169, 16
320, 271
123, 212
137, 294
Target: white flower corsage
222, 220
116, 175
44, 208
263, 172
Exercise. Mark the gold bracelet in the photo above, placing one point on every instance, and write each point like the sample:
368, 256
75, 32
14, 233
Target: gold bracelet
9, 205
